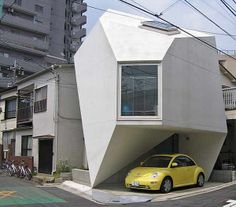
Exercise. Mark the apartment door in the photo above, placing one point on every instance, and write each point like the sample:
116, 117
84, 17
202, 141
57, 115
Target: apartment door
45, 156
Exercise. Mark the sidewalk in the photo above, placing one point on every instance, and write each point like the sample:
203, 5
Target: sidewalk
111, 194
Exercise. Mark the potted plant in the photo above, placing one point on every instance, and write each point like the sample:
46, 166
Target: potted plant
64, 169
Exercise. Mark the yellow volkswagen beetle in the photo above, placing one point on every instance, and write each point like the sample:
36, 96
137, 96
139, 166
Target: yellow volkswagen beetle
164, 172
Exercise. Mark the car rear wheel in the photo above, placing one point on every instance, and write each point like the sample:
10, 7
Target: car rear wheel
200, 180
166, 185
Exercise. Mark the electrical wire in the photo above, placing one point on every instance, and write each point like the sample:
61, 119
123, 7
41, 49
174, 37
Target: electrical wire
193, 7
169, 7
183, 30
229, 7
221, 13
140, 5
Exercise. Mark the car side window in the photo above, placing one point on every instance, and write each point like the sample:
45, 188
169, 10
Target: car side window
183, 161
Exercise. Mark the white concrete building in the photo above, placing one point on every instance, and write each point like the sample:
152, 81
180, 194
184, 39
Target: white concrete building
140, 83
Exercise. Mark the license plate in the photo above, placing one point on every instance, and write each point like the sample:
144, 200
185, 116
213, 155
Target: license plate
135, 183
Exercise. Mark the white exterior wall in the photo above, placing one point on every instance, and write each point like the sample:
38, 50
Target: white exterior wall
191, 99
19, 134
69, 127
6, 124
43, 122
97, 94
192, 94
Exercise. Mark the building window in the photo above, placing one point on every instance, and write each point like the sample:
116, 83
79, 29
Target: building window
38, 8
139, 90
40, 103
26, 145
18, 2
10, 109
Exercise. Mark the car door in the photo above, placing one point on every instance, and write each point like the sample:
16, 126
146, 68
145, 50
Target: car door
191, 168
183, 174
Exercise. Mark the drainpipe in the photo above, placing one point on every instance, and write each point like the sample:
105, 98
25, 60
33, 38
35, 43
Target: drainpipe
56, 117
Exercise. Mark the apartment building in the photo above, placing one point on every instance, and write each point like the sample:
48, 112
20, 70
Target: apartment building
46, 123
35, 34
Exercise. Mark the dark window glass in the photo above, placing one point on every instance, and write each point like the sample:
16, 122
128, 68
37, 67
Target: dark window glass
139, 90
40, 103
38, 8
184, 161
10, 110
26, 145
157, 161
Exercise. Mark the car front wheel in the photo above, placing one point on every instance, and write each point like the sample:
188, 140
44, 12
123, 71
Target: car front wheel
200, 180
166, 185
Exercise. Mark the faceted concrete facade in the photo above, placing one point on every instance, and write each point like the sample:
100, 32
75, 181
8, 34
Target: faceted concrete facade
190, 100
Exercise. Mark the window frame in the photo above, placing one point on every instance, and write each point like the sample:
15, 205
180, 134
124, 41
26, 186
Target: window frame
36, 110
26, 149
182, 156
159, 92
6, 107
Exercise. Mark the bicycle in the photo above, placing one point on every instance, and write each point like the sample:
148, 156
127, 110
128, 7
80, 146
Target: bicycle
24, 171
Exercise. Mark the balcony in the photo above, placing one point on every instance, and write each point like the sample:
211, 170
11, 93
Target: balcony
229, 96
24, 114
25, 24
78, 34
75, 46
79, 8
24, 41
79, 20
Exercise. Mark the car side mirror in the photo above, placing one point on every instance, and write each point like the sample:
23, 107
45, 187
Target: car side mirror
174, 164
141, 163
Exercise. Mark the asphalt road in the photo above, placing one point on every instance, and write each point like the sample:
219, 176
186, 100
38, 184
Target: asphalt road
16, 192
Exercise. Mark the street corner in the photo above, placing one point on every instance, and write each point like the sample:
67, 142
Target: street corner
26, 195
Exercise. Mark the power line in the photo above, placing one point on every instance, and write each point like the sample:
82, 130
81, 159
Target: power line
229, 7
140, 5
221, 13
183, 30
192, 6
222, 7
169, 7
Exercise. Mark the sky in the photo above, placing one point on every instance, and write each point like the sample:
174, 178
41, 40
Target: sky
180, 14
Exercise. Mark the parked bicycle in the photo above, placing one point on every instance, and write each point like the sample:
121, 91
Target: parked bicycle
10, 168
24, 171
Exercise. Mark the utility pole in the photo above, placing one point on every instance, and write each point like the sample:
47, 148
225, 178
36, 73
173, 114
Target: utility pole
15, 71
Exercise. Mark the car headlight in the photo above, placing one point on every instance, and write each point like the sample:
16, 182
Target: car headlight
154, 175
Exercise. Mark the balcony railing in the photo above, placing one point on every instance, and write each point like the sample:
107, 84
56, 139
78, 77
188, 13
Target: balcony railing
229, 96
40, 106
25, 114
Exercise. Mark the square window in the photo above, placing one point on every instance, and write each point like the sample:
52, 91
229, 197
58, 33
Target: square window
139, 90
38, 8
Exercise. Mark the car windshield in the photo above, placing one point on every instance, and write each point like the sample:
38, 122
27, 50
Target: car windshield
157, 161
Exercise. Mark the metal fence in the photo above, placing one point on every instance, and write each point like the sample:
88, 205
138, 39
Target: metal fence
229, 96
